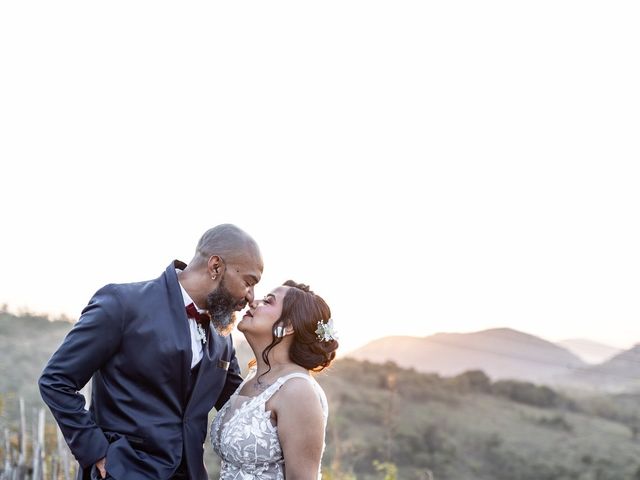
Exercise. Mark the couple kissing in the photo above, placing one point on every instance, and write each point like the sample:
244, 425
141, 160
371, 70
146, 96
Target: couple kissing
159, 357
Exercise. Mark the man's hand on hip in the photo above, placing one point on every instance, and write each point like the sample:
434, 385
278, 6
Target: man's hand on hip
100, 465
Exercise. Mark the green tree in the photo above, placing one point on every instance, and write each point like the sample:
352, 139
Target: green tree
389, 469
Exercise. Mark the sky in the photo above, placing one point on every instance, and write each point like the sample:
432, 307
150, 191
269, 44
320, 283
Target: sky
425, 166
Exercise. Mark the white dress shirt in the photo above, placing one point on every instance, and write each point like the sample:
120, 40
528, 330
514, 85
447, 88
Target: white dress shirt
196, 343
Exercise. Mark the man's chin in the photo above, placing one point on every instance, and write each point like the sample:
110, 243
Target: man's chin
225, 326
223, 331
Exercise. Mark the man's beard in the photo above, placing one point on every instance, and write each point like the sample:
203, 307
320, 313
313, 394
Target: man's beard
222, 308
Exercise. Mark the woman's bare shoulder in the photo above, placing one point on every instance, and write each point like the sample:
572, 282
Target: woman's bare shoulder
299, 394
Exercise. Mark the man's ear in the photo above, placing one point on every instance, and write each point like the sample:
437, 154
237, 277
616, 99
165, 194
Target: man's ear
215, 267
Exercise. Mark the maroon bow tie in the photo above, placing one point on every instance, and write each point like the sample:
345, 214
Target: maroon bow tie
201, 318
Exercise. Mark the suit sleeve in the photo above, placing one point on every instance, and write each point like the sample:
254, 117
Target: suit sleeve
93, 340
233, 380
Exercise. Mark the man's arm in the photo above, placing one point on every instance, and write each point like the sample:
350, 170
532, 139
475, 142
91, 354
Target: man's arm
233, 380
90, 343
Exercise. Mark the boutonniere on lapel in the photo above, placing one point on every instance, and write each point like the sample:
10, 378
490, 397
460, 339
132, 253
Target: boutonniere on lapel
201, 333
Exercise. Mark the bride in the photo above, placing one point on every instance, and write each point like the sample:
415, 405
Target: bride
273, 425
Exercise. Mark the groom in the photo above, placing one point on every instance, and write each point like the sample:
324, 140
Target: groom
159, 359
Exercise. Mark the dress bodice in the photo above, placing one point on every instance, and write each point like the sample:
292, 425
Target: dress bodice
246, 440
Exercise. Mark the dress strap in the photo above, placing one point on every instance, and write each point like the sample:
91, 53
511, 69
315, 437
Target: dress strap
269, 392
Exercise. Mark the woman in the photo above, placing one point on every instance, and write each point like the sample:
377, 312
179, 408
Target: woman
273, 426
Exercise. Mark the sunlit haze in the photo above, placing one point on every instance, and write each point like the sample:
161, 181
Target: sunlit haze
424, 166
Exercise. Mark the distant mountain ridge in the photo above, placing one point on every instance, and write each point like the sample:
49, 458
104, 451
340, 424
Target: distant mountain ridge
619, 374
588, 350
499, 352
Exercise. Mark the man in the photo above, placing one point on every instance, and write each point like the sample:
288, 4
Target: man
158, 368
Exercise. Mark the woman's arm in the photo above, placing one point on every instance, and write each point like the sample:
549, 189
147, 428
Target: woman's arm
300, 429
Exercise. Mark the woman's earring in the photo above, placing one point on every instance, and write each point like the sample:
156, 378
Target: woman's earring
213, 277
279, 333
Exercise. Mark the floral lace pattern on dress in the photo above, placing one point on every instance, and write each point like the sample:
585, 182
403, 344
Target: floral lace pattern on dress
244, 437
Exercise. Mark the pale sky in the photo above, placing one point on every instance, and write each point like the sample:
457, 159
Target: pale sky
424, 166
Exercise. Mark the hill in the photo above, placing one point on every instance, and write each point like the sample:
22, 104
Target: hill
466, 427
618, 374
26, 344
588, 350
501, 353
469, 428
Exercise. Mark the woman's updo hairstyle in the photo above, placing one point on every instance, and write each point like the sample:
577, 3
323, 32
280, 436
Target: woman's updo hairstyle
302, 309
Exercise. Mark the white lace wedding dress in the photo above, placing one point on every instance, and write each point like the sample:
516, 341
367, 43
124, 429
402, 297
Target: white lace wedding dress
244, 437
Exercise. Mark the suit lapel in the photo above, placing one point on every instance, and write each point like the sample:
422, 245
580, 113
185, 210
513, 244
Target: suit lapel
179, 314
214, 344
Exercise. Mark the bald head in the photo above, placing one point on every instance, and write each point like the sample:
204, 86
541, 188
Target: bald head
227, 242
223, 273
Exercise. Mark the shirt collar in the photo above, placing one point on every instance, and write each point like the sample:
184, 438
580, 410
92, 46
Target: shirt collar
185, 296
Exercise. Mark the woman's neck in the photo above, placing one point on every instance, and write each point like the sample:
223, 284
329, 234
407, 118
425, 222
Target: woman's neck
278, 360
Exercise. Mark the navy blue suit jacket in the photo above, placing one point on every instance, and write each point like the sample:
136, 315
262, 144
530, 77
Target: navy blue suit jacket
134, 340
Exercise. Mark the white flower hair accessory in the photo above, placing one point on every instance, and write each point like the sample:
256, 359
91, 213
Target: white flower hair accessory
326, 332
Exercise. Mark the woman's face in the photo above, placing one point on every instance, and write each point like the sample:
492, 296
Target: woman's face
259, 319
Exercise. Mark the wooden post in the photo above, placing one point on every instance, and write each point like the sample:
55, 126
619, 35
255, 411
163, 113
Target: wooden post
63, 455
8, 467
36, 473
22, 455
39, 452
54, 468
